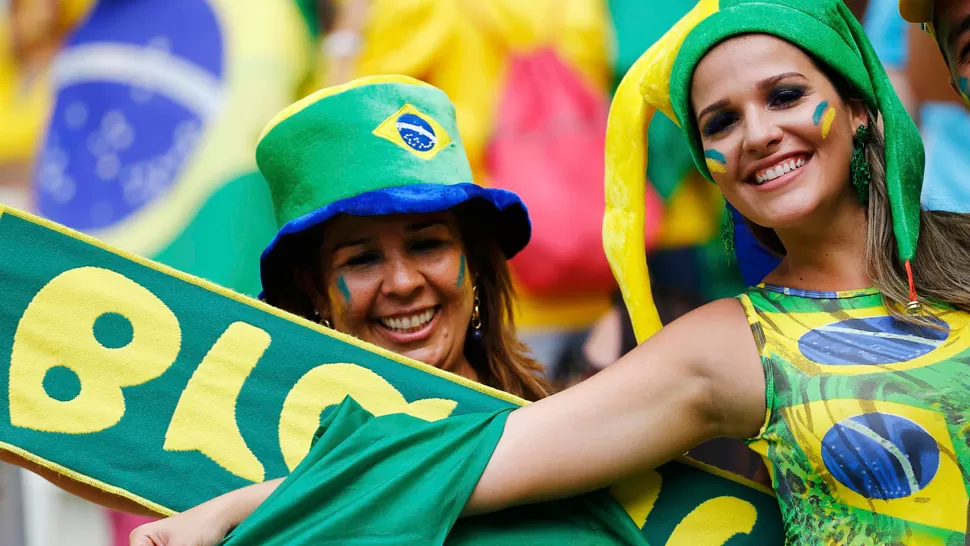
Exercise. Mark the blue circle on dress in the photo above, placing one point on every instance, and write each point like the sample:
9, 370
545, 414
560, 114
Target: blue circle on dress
416, 132
880, 455
870, 341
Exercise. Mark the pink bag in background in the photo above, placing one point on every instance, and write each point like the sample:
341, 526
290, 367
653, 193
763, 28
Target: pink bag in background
548, 147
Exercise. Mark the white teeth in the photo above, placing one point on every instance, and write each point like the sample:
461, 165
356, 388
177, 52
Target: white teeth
412, 322
784, 167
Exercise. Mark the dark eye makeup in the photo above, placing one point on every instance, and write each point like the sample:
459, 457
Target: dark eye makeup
719, 123
786, 95
780, 97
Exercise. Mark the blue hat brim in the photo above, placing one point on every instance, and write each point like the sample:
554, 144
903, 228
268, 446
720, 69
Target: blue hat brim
507, 216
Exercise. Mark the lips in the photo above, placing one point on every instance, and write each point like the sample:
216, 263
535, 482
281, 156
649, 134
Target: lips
780, 168
408, 323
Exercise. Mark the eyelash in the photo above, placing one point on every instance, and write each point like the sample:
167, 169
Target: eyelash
782, 97
962, 57
788, 95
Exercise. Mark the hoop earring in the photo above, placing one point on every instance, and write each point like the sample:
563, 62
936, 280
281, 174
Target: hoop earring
476, 322
323, 322
860, 171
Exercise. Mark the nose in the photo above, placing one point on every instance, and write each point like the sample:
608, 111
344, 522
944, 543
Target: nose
761, 134
403, 279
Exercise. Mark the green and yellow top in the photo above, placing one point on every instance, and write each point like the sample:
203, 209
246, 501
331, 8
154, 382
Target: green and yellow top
866, 428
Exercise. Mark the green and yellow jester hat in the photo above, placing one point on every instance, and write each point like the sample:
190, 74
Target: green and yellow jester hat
660, 80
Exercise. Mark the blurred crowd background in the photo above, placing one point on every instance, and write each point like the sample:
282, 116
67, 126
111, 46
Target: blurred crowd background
136, 120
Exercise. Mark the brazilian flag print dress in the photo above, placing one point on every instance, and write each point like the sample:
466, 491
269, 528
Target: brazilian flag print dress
866, 428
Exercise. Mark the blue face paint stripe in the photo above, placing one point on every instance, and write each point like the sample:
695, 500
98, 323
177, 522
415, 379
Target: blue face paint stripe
342, 286
461, 271
716, 156
819, 112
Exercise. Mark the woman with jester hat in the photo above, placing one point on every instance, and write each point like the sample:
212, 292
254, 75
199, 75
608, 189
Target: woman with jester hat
846, 369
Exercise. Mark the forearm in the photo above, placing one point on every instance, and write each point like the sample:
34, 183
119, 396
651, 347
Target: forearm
233, 507
591, 436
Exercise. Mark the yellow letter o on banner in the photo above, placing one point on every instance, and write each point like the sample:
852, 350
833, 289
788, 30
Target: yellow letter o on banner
328, 385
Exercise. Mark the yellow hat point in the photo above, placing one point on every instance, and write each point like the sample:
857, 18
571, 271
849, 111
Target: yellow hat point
644, 90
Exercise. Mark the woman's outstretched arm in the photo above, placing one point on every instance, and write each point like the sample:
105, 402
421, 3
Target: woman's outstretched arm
699, 378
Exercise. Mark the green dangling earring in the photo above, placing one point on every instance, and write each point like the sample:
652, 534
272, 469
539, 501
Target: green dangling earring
860, 173
727, 233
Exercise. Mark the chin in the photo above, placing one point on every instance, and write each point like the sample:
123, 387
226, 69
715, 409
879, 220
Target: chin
424, 355
788, 214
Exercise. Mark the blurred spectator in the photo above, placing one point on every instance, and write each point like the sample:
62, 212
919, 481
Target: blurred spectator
919, 72
150, 139
30, 33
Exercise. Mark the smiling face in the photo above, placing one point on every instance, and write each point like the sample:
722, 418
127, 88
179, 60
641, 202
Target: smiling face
952, 23
776, 134
400, 282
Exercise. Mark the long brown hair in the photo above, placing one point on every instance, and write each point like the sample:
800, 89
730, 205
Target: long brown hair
499, 358
941, 268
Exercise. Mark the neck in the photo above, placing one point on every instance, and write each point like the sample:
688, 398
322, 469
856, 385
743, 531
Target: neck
463, 368
829, 254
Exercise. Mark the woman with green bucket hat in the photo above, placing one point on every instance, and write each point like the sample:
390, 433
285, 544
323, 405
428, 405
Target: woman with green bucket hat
847, 370
383, 237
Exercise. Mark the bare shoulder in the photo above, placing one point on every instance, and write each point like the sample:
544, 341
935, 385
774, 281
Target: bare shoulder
716, 341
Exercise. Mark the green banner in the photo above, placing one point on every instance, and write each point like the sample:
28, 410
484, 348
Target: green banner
166, 390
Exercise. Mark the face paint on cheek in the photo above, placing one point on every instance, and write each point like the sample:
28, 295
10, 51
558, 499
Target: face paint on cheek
340, 303
824, 116
461, 271
342, 287
716, 162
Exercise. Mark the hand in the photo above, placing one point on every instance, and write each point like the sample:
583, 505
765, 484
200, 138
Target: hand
207, 523
199, 526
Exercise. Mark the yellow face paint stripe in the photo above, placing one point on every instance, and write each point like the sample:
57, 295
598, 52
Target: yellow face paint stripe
827, 120
715, 167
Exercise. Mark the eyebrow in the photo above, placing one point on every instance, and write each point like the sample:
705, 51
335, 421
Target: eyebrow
423, 225
764, 84
355, 242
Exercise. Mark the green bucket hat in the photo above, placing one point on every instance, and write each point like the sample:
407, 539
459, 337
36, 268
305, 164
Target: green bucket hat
661, 79
376, 146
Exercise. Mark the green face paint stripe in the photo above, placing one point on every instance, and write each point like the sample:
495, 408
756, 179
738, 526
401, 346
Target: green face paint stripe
342, 286
461, 271
716, 156
819, 111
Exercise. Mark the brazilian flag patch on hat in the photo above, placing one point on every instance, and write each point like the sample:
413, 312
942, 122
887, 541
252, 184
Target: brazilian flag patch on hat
415, 132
